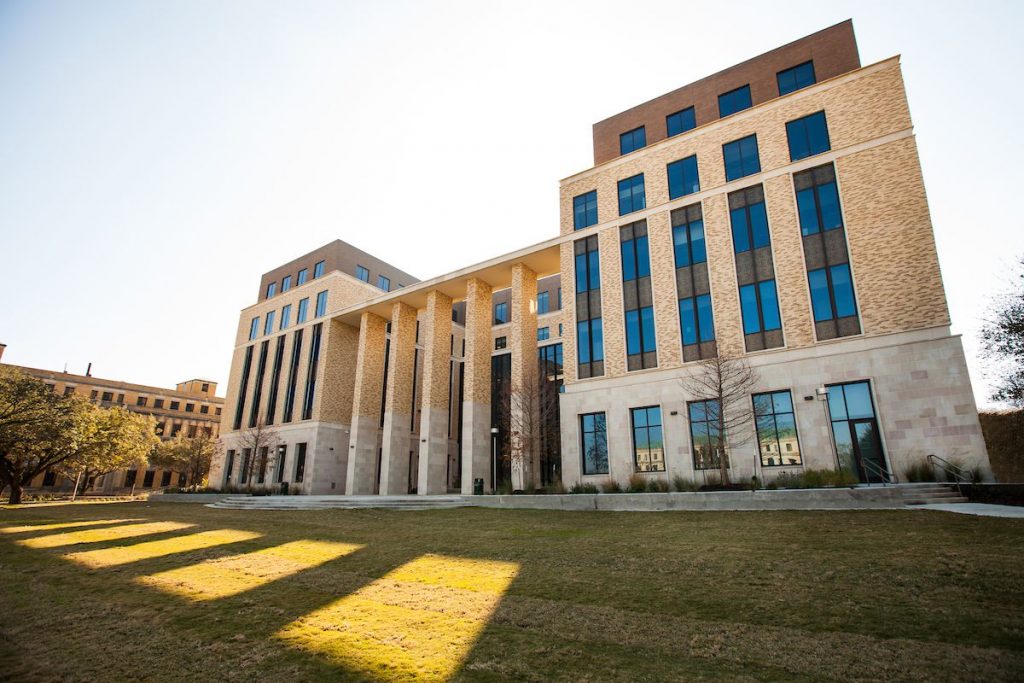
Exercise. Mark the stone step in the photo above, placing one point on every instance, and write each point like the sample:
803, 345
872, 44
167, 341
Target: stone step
929, 501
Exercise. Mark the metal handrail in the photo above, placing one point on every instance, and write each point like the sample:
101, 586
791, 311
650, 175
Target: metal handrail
960, 475
883, 474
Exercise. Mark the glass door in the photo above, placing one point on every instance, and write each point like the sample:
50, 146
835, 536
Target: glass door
867, 448
855, 430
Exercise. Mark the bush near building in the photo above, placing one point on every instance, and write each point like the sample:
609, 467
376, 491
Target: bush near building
1004, 438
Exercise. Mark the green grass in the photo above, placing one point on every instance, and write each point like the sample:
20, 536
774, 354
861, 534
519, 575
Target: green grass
507, 595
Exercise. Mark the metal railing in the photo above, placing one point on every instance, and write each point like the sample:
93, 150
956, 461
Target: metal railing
959, 474
879, 471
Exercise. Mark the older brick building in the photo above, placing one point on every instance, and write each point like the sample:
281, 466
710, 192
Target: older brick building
774, 211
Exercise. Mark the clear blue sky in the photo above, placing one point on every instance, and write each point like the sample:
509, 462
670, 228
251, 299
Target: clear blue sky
157, 157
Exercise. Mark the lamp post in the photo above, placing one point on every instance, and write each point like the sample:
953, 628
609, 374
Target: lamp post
494, 459
822, 395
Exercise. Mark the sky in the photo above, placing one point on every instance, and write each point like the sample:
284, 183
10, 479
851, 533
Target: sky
157, 157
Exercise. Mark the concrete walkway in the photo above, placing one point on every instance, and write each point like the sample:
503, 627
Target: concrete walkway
981, 509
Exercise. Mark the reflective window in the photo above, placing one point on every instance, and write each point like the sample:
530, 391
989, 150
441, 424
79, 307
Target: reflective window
683, 178
776, 429
303, 275
648, 444
584, 210
734, 101
817, 200
362, 273
795, 78
271, 289
542, 302
632, 140
832, 292
543, 333
688, 243
741, 158
760, 307
500, 313
705, 434
286, 283
303, 311
640, 336
680, 122
321, 303
318, 269
750, 227
808, 136
594, 437
286, 316
636, 259
590, 335
696, 321
384, 283
631, 194
254, 328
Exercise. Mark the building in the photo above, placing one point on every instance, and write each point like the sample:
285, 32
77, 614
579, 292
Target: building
190, 409
773, 212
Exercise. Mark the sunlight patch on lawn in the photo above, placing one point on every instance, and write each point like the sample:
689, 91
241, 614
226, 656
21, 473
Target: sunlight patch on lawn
417, 622
226, 576
61, 525
108, 557
115, 533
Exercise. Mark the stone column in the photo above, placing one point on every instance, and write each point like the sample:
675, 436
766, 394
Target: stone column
369, 381
525, 400
394, 462
436, 331
476, 390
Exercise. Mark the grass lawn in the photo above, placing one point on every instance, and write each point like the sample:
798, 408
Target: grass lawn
170, 592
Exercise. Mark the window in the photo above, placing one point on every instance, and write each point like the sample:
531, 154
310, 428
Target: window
760, 307
559, 298
500, 313
741, 158
160, 426
286, 283
303, 311
640, 331
631, 194
776, 429
584, 210
120, 397
93, 394
362, 273
855, 430
182, 479
542, 303
648, 445
318, 269
808, 136
192, 431
795, 78
500, 343
190, 407
384, 283
254, 328
680, 122
108, 396
175, 405
705, 433
50, 478
303, 276
321, 303
165, 478
683, 178
591, 340
204, 409
68, 391
688, 243
286, 316
205, 387
594, 436
158, 403
141, 401
588, 269
636, 260
293, 374
632, 140
589, 328
696, 321
268, 327
817, 200
243, 387
832, 293
312, 361
271, 289
300, 462
734, 101
636, 271
217, 412
147, 480
750, 226
543, 333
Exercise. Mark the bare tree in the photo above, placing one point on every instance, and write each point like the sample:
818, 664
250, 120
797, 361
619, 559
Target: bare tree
258, 441
726, 382
533, 415
1002, 341
188, 455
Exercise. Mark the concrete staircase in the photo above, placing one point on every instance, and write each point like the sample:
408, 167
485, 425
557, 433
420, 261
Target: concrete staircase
930, 493
340, 502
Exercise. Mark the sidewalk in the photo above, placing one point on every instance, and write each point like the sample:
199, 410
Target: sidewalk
981, 509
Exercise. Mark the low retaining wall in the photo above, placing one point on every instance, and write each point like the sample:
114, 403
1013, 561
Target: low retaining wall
792, 499
192, 497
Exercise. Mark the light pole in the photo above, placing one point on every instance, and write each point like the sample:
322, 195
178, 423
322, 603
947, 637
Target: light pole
822, 395
494, 459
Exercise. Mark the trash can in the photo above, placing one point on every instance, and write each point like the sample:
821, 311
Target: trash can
284, 488
478, 487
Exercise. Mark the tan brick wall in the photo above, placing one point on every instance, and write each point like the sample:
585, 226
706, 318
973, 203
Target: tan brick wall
787, 254
400, 363
523, 327
336, 385
725, 299
477, 388
663, 288
613, 321
567, 261
435, 332
369, 376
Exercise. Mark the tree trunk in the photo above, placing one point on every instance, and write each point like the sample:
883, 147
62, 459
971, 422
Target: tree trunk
15, 498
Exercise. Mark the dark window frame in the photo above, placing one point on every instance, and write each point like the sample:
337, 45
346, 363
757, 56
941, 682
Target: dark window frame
773, 414
632, 140
680, 116
595, 431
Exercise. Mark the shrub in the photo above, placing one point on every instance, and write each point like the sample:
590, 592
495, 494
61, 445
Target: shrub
583, 488
682, 484
556, 487
658, 486
610, 486
814, 479
505, 488
919, 471
637, 484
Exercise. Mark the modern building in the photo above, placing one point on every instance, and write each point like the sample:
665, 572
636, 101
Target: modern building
772, 215
190, 409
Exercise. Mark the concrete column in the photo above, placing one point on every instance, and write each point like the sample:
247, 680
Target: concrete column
369, 381
394, 463
525, 400
476, 390
436, 331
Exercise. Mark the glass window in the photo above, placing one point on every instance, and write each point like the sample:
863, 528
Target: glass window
832, 292
640, 337
734, 101
808, 136
303, 276
683, 178
688, 242
760, 307
696, 320
636, 259
591, 340
632, 140
705, 434
286, 283
318, 269
500, 343
271, 289
795, 78
543, 333
817, 200
741, 158
776, 429
680, 122
594, 437
542, 302
286, 316
321, 303
750, 227
254, 328
500, 313
631, 194
300, 462
384, 283
588, 268
648, 444
584, 210
303, 311
362, 273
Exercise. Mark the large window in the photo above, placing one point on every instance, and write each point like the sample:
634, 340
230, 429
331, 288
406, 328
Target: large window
636, 290
631, 194
749, 227
588, 268
271, 289
680, 122
362, 273
543, 302
589, 328
688, 243
640, 338
636, 259
808, 136
254, 328
590, 336
776, 429
384, 283
268, 327
855, 430
300, 462
741, 158
321, 303
501, 313
705, 434
817, 199
594, 437
760, 307
734, 101
648, 443
683, 178
303, 311
286, 316
286, 283
632, 140
318, 269
832, 292
795, 78
696, 321
584, 210
303, 276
